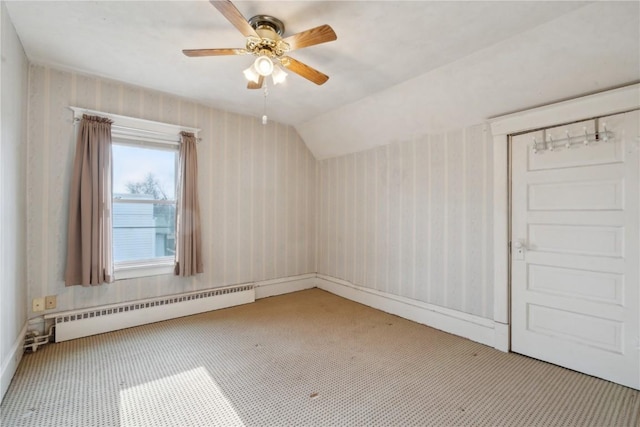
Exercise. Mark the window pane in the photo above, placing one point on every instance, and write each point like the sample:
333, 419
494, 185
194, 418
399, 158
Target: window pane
143, 231
143, 170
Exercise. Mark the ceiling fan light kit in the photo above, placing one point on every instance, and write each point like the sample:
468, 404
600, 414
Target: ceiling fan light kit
263, 67
264, 40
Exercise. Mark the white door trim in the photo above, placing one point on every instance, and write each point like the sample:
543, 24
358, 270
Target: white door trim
600, 104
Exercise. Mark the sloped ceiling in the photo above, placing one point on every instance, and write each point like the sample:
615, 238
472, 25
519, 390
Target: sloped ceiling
398, 68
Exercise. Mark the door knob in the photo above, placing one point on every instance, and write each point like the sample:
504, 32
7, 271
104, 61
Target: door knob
519, 248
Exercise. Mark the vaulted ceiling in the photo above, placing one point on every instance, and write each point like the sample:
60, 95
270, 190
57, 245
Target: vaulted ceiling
397, 69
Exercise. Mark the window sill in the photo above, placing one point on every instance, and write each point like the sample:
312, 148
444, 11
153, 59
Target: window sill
133, 271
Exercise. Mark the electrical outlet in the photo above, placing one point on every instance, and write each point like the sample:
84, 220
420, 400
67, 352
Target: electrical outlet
50, 302
38, 304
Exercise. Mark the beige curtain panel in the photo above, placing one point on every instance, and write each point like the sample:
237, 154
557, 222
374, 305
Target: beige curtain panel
188, 235
89, 252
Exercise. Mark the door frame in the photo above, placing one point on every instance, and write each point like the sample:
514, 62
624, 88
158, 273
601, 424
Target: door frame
606, 103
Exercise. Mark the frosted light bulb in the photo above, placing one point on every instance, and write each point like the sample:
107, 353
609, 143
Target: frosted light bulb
263, 65
264, 119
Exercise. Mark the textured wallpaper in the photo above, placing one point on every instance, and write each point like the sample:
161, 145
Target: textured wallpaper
414, 219
13, 268
257, 190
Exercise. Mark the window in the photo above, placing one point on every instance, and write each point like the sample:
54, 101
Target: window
144, 204
144, 178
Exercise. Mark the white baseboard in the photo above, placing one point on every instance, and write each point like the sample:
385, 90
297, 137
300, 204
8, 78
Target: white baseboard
466, 325
10, 364
284, 285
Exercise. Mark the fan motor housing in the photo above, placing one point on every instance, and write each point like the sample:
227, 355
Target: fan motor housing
269, 43
260, 22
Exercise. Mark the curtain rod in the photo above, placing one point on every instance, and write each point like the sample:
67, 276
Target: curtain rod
126, 123
137, 130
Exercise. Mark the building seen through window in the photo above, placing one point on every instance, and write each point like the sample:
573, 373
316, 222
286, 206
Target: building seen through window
144, 205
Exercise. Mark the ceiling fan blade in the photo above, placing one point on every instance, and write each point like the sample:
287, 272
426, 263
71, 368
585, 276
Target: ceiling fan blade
253, 85
213, 52
234, 16
303, 70
317, 35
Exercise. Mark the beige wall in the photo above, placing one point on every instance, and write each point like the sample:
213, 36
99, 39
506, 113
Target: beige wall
13, 291
413, 218
257, 190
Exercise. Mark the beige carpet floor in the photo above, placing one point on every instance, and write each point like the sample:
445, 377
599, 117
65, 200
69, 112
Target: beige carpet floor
307, 358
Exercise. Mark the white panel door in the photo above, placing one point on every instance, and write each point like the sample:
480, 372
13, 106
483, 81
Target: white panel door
575, 293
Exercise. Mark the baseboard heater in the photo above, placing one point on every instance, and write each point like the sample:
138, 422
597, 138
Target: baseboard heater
97, 320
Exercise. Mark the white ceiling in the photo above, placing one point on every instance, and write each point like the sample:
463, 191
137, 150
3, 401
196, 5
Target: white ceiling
397, 69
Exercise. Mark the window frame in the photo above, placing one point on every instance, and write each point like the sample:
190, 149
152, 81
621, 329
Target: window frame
151, 134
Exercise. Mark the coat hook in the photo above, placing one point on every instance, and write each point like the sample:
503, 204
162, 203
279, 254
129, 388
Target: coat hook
568, 144
606, 135
550, 143
586, 135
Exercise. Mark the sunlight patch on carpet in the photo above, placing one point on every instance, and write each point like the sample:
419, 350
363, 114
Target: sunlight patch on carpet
190, 397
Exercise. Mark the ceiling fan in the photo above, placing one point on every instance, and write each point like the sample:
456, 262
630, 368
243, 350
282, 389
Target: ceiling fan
264, 40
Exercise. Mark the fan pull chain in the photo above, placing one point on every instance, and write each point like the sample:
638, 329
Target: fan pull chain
264, 112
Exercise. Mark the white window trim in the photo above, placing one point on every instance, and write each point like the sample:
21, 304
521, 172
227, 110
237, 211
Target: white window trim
134, 129
132, 270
